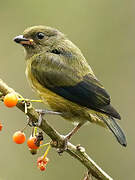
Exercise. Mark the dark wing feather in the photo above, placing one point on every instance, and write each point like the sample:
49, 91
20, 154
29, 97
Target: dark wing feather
87, 92
84, 93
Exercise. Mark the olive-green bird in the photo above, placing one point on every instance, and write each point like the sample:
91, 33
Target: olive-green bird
59, 73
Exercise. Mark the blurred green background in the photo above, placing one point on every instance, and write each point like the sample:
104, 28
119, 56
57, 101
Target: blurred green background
105, 32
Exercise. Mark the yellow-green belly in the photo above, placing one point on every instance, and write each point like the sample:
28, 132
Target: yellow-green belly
69, 110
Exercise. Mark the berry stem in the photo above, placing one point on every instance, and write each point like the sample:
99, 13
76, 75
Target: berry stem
46, 152
35, 131
41, 146
30, 100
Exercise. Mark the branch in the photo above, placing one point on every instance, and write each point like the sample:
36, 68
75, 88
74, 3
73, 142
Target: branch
58, 140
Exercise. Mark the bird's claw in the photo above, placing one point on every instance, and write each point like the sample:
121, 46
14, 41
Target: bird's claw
65, 147
30, 122
42, 112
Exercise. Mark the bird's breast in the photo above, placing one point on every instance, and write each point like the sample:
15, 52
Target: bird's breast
70, 110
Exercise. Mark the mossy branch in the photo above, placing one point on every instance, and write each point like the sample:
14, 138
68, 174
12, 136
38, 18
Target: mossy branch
57, 139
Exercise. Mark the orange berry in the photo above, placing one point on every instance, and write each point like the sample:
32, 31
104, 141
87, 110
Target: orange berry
10, 100
19, 137
1, 126
31, 143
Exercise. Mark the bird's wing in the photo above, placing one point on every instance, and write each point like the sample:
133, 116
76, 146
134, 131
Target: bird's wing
67, 82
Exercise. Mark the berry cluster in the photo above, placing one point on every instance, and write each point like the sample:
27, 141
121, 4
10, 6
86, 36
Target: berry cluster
34, 142
41, 162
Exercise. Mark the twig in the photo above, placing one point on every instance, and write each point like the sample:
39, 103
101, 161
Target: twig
57, 139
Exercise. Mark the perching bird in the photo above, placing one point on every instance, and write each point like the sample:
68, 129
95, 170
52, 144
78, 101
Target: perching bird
59, 73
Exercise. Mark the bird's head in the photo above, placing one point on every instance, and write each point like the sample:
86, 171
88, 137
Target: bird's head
38, 39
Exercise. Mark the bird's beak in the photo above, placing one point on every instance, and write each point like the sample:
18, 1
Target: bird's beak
22, 40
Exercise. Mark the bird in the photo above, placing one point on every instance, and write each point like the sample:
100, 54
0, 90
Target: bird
59, 73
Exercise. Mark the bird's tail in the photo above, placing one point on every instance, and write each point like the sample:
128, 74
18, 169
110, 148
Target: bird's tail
114, 127
116, 130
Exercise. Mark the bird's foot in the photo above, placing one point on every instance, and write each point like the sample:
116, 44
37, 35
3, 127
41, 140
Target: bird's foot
38, 123
64, 145
42, 112
30, 122
68, 137
45, 111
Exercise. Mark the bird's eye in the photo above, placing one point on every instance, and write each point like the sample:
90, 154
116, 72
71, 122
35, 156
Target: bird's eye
40, 35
